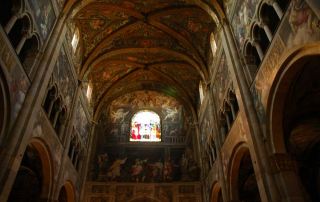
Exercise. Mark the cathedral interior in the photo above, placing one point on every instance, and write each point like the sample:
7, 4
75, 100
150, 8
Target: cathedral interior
160, 100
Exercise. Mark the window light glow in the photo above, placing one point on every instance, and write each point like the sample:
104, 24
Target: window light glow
145, 127
89, 91
75, 40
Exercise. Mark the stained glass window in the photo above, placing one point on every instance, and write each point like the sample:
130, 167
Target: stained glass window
145, 127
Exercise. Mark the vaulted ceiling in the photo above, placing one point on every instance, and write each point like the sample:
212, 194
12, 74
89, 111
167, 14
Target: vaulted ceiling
157, 45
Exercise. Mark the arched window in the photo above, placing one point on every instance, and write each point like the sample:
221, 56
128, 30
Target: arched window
145, 127
201, 93
213, 44
75, 40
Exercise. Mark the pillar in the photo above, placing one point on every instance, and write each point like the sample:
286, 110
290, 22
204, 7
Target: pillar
267, 31
22, 129
268, 187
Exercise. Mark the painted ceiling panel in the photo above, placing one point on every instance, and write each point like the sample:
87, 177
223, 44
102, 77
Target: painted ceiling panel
132, 45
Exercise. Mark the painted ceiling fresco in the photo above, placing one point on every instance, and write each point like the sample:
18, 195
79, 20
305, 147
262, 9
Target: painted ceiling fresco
132, 45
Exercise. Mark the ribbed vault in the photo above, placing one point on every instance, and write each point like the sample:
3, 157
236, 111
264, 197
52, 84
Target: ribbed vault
155, 45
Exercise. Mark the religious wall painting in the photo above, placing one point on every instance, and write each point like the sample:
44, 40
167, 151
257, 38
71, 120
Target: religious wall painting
244, 13
82, 123
44, 15
300, 26
228, 5
221, 81
61, 3
195, 27
63, 76
18, 85
131, 164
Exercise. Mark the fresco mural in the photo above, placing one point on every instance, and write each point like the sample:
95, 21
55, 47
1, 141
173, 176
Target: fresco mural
301, 25
44, 15
63, 76
115, 123
82, 123
245, 10
127, 164
221, 81
61, 3
228, 4
18, 86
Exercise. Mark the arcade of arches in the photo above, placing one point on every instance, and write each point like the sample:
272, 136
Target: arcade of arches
160, 101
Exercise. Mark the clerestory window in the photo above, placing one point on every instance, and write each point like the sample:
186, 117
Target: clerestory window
145, 127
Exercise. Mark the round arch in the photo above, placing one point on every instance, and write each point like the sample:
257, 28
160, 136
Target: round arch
289, 68
293, 116
4, 104
46, 162
67, 193
216, 193
242, 182
34, 179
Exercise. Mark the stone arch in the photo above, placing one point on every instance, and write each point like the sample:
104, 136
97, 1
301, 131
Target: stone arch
19, 30
290, 66
260, 37
8, 12
294, 116
35, 175
269, 17
4, 104
29, 52
242, 182
216, 193
67, 193
47, 167
252, 60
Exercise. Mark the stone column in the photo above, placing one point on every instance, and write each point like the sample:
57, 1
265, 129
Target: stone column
21, 131
232, 111
277, 8
219, 142
87, 157
267, 186
11, 22
285, 169
22, 41
66, 137
267, 31
259, 50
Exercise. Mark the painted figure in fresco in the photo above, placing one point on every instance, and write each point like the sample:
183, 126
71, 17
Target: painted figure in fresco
171, 114
167, 170
137, 170
102, 163
18, 88
156, 170
304, 24
119, 115
115, 169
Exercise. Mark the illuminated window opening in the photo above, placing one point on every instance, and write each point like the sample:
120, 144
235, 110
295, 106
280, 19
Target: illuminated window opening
201, 93
213, 44
75, 40
145, 127
89, 91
